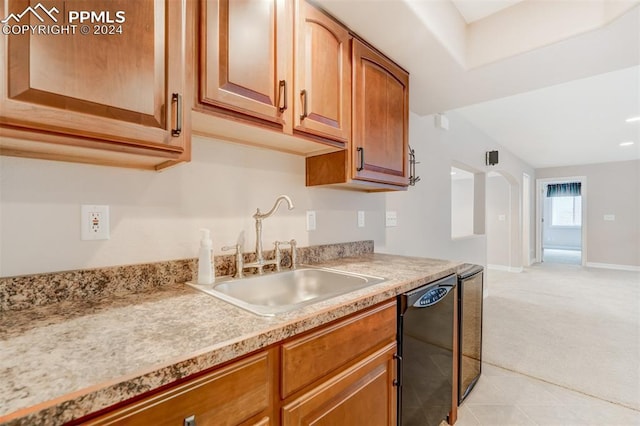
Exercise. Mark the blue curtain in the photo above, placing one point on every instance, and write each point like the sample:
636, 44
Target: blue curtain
564, 189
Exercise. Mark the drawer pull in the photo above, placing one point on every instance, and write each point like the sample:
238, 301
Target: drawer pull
398, 380
303, 95
283, 96
361, 155
177, 98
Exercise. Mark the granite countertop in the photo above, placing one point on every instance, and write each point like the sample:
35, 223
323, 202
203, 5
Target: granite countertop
66, 360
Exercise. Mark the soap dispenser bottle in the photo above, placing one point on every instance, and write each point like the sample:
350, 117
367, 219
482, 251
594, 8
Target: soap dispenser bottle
206, 274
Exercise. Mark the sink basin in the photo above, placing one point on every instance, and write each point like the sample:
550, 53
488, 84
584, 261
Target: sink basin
279, 292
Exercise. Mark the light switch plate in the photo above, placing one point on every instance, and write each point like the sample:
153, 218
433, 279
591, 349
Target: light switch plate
360, 218
502, 217
391, 218
311, 220
610, 217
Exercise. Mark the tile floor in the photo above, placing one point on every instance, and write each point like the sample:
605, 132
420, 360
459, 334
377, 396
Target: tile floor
505, 398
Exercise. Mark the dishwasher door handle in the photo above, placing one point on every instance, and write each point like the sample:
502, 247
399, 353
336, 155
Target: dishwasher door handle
398, 380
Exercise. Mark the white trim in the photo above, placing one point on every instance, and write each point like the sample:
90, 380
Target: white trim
526, 215
613, 266
539, 212
506, 268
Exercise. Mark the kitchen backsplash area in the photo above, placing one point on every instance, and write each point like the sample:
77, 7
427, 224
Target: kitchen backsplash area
156, 216
93, 285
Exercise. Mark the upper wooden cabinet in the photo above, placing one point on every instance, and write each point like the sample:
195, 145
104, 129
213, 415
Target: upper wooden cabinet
378, 155
247, 51
245, 57
380, 118
322, 74
107, 93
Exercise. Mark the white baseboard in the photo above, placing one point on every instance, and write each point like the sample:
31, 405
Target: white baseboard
613, 266
505, 268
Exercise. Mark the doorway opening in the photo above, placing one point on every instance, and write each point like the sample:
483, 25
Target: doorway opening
561, 228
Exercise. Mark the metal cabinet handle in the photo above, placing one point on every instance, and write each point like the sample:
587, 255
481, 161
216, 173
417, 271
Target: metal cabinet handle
361, 155
283, 95
303, 95
413, 179
398, 380
177, 99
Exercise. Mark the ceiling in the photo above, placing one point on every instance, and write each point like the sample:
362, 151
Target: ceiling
474, 10
559, 100
578, 122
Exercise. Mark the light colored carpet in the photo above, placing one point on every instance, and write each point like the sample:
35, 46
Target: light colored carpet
572, 326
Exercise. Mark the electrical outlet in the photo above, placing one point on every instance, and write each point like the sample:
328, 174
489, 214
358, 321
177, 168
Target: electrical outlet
94, 222
360, 218
311, 220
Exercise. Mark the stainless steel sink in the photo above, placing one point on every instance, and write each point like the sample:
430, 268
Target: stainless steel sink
279, 292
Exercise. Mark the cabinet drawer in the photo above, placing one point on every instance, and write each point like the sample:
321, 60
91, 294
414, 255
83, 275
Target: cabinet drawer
232, 395
309, 358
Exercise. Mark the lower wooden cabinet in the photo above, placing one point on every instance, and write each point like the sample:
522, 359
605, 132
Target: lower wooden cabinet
342, 373
238, 394
307, 359
364, 394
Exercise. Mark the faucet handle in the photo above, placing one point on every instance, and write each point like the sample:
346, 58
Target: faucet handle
294, 253
291, 243
239, 259
278, 255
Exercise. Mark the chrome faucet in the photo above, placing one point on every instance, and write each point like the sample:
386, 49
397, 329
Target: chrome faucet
259, 216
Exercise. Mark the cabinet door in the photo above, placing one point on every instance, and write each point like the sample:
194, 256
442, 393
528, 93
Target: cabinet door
245, 56
240, 393
362, 395
380, 118
322, 75
119, 84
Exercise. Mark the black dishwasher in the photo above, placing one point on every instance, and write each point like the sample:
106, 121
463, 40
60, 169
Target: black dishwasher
425, 349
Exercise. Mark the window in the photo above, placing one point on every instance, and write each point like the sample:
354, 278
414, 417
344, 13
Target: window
566, 211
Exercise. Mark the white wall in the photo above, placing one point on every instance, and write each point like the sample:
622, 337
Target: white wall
611, 188
462, 202
156, 216
498, 221
424, 212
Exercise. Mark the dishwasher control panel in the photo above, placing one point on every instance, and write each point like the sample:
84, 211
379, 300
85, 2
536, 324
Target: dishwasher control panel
432, 297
